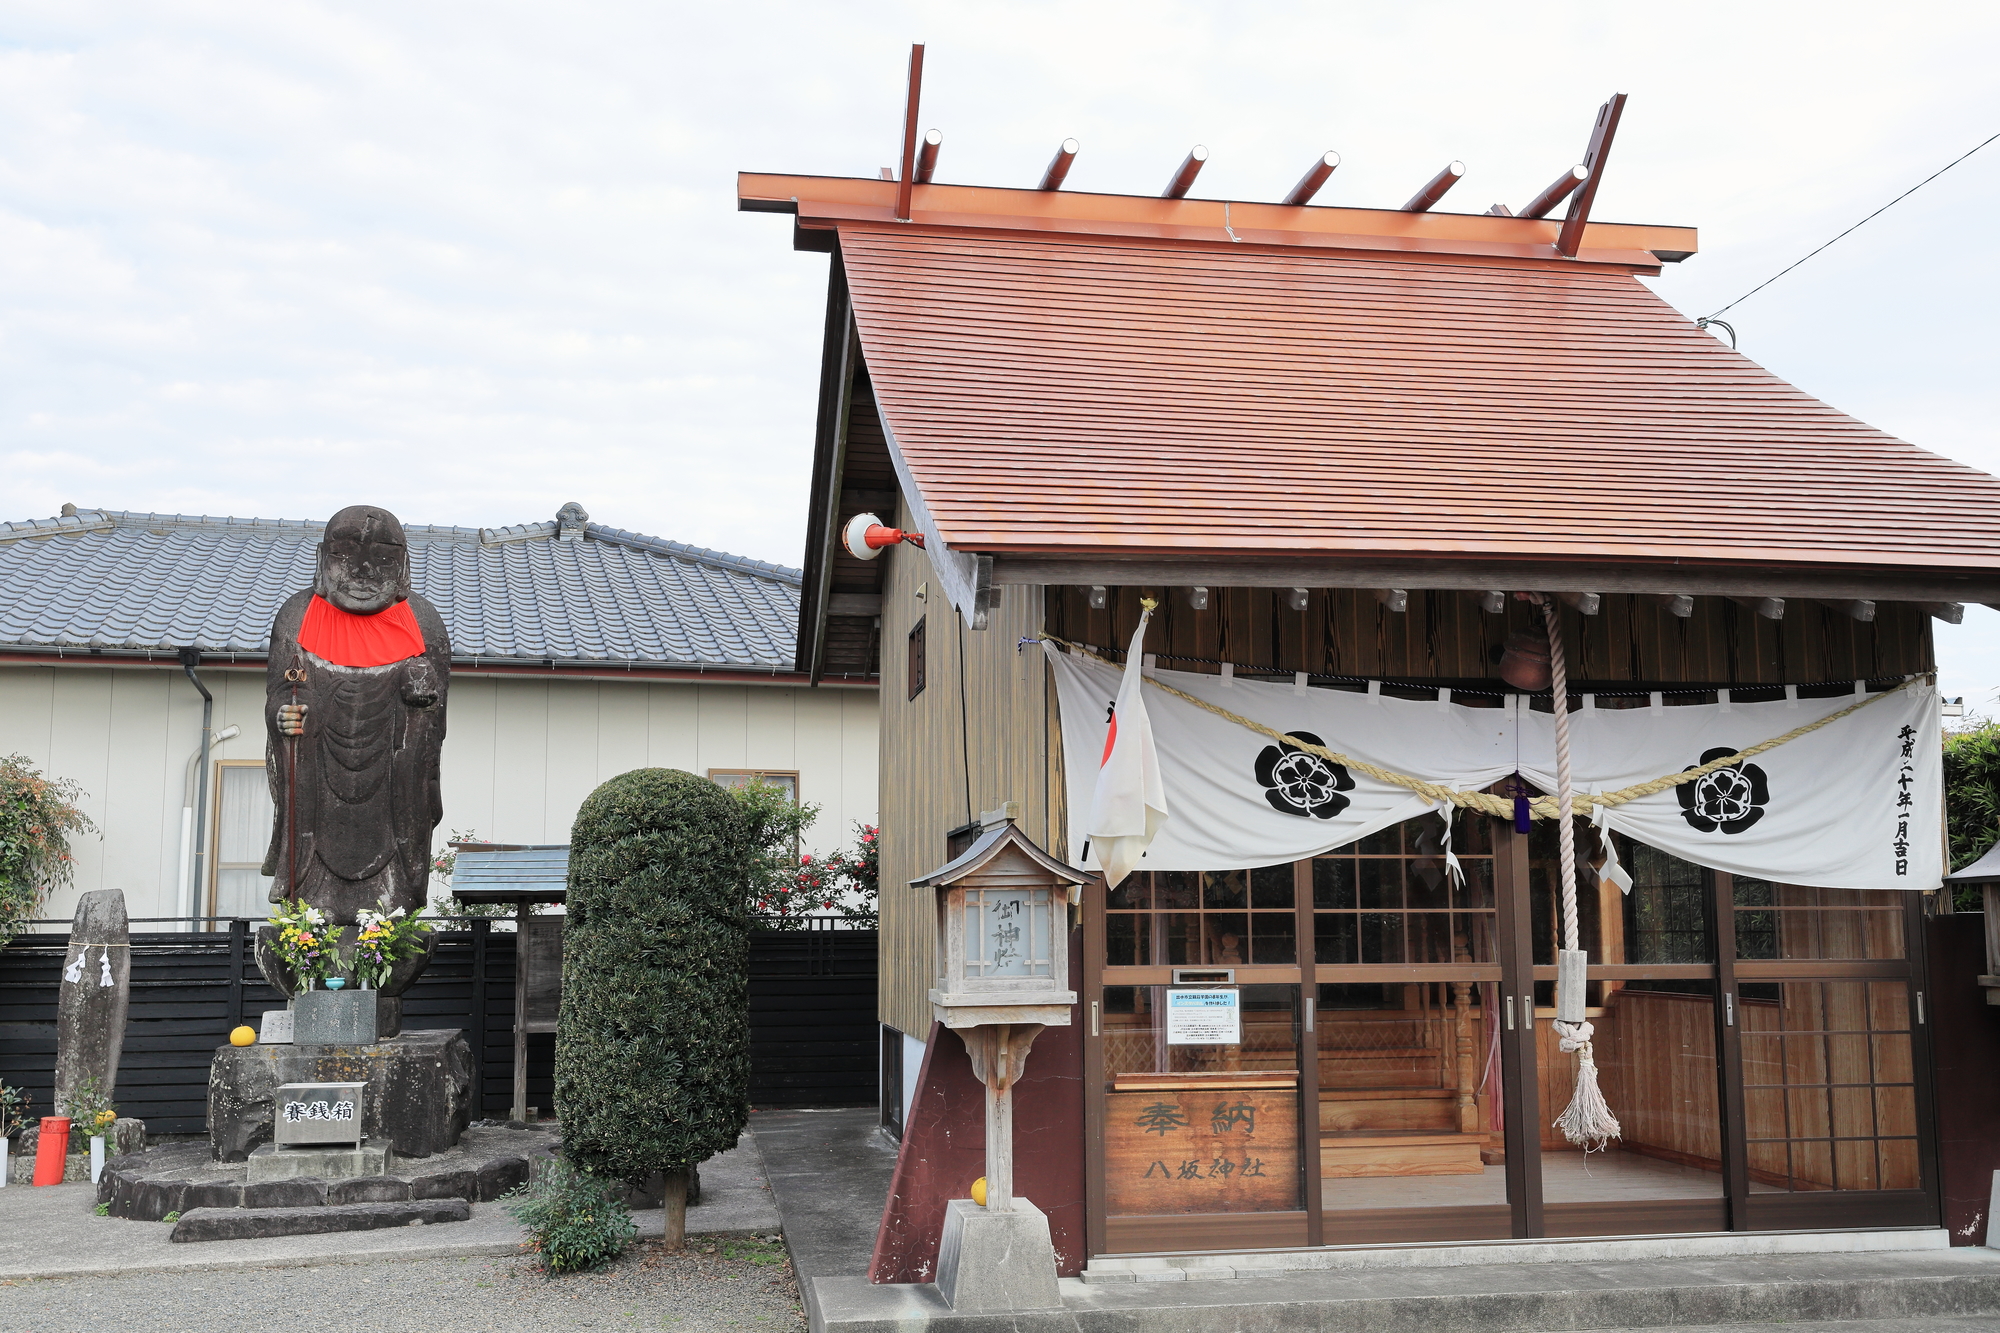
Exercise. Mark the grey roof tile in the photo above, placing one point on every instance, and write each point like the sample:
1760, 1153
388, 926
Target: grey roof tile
152, 583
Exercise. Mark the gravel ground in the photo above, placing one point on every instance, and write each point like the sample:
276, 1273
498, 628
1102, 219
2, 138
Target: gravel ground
717, 1284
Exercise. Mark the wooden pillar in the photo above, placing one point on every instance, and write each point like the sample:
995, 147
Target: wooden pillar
998, 1052
239, 934
482, 930
520, 1111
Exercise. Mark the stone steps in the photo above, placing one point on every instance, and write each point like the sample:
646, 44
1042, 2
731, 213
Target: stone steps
210, 1224
1835, 1282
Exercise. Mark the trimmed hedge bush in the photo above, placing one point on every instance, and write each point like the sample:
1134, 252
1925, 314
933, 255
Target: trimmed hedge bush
653, 1040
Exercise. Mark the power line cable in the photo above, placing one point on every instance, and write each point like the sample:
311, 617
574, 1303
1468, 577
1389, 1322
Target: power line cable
1706, 320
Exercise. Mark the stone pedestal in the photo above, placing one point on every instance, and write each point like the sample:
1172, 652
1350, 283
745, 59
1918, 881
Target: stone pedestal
334, 1018
418, 1099
992, 1262
271, 1162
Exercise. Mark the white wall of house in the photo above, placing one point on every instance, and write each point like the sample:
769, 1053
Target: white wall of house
520, 755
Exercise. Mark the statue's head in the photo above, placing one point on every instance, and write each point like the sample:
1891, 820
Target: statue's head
364, 561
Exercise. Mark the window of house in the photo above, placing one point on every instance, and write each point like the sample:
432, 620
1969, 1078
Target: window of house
242, 833
743, 777
916, 667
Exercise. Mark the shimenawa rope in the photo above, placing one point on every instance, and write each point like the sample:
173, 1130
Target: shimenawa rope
1501, 807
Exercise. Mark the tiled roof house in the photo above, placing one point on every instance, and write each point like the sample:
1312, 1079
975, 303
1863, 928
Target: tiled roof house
579, 651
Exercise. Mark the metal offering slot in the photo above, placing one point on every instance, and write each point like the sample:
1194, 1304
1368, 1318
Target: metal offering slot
1204, 976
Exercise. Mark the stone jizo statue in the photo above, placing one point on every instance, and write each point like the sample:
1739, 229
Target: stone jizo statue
355, 713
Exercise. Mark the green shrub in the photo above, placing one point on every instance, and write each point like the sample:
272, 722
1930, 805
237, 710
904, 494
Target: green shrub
571, 1219
1971, 801
90, 1114
172, 1217
37, 817
653, 1038
16, 1105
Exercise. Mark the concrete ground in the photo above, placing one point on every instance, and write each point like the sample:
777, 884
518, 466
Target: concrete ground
829, 1171
53, 1231
716, 1286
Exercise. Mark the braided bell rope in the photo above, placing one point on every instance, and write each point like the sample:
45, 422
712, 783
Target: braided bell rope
1486, 803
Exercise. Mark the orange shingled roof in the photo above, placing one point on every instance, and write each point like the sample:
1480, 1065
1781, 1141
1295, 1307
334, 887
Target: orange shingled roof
1133, 396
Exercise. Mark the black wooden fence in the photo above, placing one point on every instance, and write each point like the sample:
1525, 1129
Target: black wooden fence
812, 1016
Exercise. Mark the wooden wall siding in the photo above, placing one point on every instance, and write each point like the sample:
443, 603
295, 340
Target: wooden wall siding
851, 642
1445, 636
1001, 724
519, 756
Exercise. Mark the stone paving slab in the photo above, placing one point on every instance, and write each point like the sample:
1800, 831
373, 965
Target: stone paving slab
207, 1225
54, 1231
829, 1172
1971, 1323
1498, 1298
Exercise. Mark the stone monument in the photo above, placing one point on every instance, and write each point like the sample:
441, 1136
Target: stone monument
95, 995
355, 715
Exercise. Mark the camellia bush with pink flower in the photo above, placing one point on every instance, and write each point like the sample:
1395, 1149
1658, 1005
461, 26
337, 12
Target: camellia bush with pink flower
788, 886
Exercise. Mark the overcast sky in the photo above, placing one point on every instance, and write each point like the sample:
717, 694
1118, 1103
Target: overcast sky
470, 261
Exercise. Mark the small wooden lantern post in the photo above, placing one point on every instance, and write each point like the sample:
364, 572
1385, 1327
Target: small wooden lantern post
521, 875
1003, 960
1985, 872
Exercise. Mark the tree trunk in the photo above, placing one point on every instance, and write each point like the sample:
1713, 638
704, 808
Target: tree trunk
674, 1210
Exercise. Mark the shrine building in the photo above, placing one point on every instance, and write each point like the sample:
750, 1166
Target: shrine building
1348, 453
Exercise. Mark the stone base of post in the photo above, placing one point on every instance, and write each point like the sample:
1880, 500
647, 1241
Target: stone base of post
997, 1261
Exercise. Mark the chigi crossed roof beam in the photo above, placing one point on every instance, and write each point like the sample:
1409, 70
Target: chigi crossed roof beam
1577, 184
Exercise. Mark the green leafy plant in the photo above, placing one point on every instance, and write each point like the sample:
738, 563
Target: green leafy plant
172, 1217
383, 940
783, 886
572, 1220
103, 1210
15, 1104
90, 1112
1971, 801
306, 942
38, 817
653, 1038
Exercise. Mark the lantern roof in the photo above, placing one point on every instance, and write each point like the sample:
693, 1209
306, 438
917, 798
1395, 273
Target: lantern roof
1986, 870
989, 845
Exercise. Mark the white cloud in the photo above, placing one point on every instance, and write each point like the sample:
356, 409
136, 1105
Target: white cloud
474, 260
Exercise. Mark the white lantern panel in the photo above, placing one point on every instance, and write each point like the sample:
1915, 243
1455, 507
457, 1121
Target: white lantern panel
1009, 933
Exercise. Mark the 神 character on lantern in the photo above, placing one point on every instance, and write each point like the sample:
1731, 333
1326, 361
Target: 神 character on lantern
355, 713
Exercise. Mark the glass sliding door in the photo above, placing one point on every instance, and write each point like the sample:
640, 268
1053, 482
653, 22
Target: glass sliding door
1407, 1040
1654, 1001
1357, 1049
1835, 1112
1198, 1057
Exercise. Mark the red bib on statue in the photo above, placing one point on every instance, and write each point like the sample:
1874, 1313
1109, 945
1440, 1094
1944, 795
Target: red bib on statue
345, 639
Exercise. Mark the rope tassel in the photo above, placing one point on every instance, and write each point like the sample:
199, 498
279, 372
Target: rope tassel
1587, 1120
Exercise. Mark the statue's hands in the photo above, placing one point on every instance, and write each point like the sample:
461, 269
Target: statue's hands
291, 719
419, 686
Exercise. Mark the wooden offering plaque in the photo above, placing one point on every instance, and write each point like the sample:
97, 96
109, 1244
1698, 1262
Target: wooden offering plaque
1194, 1143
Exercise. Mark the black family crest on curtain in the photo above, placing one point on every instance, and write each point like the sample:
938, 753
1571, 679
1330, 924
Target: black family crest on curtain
1302, 784
1730, 799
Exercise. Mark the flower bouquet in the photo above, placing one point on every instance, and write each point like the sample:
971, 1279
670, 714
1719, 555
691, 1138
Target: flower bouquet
384, 939
306, 943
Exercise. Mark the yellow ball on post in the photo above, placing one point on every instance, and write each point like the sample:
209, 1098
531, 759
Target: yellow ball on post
243, 1036
979, 1191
